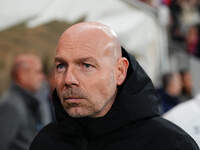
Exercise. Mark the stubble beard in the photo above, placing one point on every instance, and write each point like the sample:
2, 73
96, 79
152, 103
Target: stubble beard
78, 110
87, 108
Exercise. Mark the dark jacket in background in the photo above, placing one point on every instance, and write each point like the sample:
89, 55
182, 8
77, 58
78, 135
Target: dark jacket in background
167, 101
19, 119
133, 123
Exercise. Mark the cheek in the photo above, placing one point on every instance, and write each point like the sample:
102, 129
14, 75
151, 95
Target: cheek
30, 78
58, 80
35, 80
103, 86
58, 84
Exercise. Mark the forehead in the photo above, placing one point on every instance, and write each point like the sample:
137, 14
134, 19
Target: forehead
87, 43
34, 65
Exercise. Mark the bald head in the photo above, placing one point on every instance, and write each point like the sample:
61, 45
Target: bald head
102, 37
27, 71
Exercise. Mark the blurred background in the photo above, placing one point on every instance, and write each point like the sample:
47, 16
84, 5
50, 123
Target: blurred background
163, 35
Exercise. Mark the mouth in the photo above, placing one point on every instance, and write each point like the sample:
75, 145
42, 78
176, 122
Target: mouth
72, 98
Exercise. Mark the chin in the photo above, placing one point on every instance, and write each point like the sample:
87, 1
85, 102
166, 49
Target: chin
78, 113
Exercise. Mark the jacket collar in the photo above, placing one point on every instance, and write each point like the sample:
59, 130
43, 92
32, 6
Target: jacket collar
136, 100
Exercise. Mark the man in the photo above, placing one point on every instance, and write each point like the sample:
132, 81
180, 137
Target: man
170, 91
19, 114
103, 98
187, 85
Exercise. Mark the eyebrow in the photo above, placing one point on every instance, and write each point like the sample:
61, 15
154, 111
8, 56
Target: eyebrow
59, 59
90, 59
84, 59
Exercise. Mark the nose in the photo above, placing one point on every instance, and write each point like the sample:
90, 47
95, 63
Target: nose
70, 77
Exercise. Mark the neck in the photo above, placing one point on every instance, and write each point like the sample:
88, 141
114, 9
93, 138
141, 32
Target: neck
26, 88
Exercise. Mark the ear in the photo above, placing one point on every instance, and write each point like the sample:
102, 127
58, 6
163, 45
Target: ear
20, 77
122, 70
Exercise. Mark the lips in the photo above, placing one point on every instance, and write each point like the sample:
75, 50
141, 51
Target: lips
72, 98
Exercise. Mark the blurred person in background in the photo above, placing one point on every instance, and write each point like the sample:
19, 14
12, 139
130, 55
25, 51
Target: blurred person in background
193, 40
187, 86
185, 15
19, 109
198, 44
166, 2
175, 23
170, 91
190, 13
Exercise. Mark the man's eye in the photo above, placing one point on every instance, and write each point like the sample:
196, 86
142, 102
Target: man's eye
60, 67
87, 65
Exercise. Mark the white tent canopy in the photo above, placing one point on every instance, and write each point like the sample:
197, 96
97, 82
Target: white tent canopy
17, 11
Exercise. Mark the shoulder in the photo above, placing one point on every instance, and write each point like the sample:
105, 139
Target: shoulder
51, 137
166, 132
8, 102
45, 137
11, 103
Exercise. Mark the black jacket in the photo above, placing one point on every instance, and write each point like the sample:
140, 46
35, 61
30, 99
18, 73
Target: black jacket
133, 123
